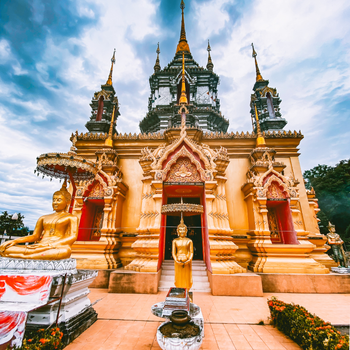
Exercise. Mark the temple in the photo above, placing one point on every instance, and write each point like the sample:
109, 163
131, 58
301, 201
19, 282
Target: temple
242, 194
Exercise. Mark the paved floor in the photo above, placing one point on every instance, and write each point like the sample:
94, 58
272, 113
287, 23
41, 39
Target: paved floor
126, 322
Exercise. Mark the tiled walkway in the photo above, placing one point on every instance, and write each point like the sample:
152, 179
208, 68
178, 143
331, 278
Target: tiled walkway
126, 322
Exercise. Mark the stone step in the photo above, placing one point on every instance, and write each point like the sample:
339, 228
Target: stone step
199, 276
194, 272
196, 286
194, 268
166, 289
194, 262
194, 278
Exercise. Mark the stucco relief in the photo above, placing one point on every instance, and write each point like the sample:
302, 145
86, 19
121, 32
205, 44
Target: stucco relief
183, 171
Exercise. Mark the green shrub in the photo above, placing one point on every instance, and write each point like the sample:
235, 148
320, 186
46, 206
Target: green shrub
43, 339
307, 330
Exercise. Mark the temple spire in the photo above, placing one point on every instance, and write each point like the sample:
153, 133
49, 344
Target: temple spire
260, 140
183, 97
157, 65
109, 80
109, 140
183, 45
258, 75
210, 64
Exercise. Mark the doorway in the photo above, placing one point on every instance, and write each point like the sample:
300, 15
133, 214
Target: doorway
194, 230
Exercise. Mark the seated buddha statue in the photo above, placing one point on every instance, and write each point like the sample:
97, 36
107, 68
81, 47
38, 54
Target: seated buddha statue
53, 235
182, 252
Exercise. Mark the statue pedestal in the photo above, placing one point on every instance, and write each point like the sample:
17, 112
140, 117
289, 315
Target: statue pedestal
167, 343
28, 285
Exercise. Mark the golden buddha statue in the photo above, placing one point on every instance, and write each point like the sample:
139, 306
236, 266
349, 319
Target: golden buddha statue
183, 254
54, 234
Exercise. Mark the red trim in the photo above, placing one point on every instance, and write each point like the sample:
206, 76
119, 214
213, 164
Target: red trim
87, 219
285, 221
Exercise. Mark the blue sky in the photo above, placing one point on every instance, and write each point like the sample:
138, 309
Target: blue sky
55, 54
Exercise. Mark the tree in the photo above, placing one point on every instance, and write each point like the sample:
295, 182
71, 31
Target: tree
332, 187
12, 227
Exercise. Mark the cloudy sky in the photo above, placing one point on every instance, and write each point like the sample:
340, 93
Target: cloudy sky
55, 54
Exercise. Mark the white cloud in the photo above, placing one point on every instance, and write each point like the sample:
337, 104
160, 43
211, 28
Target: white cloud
286, 35
294, 41
5, 51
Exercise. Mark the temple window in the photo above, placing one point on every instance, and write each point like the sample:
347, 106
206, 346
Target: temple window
270, 106
100, 109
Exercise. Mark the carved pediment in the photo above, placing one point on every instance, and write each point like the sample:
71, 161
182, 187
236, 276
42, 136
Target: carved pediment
183, 171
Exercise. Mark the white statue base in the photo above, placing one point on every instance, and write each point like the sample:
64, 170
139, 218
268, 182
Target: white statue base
342, 270
193, 343
27, 285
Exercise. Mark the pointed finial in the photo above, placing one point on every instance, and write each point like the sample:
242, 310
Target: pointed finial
109, 80
260, 140
210, 64
109, 140
258, 75
183, 97
157, 65
183, 45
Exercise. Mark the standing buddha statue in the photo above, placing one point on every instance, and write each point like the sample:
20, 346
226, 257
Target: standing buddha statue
182, 251
54, 234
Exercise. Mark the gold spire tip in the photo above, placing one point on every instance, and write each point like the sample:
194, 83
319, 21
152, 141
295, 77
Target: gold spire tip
258, 74
109, 80
182, 45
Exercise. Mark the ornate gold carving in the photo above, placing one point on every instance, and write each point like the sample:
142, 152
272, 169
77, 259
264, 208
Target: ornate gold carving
98, 220
97, 191
273, 225
182, 207
275, 191
183, 171
206, 135
106, 95
204, 175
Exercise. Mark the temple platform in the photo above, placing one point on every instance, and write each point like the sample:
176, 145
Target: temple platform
126, 320
240, 284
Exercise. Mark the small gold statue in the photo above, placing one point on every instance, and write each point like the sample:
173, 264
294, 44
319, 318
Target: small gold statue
183, 254
54, 234
336, 243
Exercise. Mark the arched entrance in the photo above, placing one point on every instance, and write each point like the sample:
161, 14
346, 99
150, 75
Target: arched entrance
189, 194
91, 220
279, 215
183, 184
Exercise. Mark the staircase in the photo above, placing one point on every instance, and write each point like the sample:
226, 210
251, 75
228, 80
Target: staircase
199, 276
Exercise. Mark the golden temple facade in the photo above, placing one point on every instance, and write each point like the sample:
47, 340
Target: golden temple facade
247, 206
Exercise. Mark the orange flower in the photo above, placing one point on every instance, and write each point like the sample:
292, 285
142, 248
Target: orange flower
29, 340
43, 341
